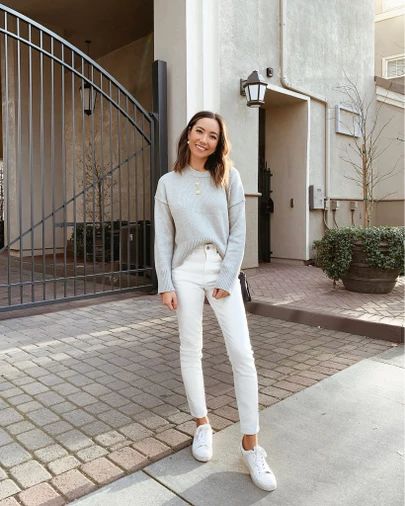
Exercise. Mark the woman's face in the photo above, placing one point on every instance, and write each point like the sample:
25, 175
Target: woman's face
203, 138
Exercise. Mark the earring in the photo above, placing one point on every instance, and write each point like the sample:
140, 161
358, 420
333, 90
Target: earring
188, 142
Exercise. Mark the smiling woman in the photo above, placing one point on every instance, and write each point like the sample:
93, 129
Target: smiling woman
199, 244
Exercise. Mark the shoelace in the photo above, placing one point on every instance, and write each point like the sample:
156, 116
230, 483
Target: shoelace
260, 460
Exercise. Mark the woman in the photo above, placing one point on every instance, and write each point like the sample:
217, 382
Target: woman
199, 245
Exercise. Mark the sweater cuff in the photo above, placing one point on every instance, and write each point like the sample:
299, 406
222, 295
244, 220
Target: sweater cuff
165, 283
226, 281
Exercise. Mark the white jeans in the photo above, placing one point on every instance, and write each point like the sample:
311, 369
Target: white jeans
193, 280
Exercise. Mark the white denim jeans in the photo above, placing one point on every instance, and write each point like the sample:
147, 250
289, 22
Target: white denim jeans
193, 281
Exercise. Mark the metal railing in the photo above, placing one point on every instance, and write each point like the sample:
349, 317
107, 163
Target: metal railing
78, 160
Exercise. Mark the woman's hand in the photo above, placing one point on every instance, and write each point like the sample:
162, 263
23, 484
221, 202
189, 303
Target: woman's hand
218, 293
169, 299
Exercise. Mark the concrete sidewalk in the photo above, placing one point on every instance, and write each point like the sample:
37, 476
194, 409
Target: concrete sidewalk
339, 443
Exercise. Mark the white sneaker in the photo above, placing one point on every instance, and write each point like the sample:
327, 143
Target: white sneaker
202, 443
261, 474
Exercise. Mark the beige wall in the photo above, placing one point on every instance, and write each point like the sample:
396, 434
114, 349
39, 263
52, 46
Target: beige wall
389, 41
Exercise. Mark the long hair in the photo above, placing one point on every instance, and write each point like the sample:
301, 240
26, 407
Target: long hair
218, 164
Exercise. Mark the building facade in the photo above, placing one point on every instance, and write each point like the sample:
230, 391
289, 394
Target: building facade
290, 153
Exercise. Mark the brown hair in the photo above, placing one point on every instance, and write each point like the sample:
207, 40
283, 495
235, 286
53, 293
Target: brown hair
218, 163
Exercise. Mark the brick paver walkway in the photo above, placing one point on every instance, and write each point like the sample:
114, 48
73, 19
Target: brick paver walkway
307, 287
89, 394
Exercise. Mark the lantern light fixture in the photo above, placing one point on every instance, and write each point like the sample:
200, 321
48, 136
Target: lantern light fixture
87, 92
254, 88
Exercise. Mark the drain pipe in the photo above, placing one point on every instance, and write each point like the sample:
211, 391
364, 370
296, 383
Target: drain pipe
286, 84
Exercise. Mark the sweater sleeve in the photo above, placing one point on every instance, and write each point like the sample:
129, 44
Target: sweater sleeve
164, 241
235, 249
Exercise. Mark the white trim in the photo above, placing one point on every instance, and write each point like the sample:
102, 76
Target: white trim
390, 97
384, 65
340, 127
285, 91
390, 14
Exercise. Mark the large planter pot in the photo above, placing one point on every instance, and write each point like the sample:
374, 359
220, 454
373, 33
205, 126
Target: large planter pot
365, 279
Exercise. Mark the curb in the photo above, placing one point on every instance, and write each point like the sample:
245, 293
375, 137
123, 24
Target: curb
384, 331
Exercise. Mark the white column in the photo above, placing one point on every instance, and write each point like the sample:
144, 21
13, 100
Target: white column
186, 37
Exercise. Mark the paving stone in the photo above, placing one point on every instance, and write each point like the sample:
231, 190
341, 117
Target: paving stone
30, 406
10, 501
8, 488
34, 439
174, 438
63, 464
91, 453
11, 392
63, 407
135, 431
82, 398
150, 420
30, 473
114, 418
102, 471
34, 388
50, 453
152, 448
128, 458
114, 399
4, 437
96, 389
73, 484
41, 495
9, 416
56, 428
218, 422
66, 389
19, 399
95, 428
51, 379
49, 398
43, 416
19, 427
109, 438
228, 412
3, 474
132, 409
78, 417
74, 440
97, 407
13, 454
187, 427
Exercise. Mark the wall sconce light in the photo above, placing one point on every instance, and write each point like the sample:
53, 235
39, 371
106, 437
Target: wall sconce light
87, 92
254, 88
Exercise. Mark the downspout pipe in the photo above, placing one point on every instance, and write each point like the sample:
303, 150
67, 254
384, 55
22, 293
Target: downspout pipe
287, 84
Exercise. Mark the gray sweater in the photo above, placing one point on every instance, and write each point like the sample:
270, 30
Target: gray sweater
191, 211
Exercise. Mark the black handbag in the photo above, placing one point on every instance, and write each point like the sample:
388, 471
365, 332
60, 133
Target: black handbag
244, 286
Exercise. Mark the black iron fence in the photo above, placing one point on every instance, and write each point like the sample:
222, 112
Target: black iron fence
77, 176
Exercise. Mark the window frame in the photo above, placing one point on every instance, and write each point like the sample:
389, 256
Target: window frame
388, 59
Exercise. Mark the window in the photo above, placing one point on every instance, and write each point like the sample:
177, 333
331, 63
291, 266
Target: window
394, 66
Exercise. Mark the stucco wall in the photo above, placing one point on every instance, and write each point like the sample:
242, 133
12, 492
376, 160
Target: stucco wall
322, 43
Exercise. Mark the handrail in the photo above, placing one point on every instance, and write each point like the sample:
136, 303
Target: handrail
78, 52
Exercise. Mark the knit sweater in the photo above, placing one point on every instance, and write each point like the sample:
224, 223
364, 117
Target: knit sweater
190, 210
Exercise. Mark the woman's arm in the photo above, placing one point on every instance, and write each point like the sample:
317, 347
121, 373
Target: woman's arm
233, 257
164, 241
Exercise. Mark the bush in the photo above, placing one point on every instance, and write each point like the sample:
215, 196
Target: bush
334, 250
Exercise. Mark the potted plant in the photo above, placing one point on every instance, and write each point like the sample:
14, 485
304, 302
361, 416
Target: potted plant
367, 260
